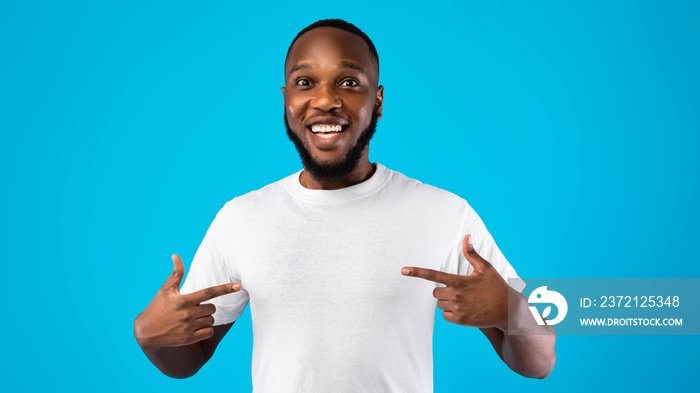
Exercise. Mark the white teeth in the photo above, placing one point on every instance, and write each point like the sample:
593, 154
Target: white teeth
326, 135
316, 128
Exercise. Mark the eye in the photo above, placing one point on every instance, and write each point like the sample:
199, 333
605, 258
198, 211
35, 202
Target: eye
349, 83
303, 82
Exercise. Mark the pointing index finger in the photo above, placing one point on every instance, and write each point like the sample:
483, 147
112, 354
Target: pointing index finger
429, 274
212, 292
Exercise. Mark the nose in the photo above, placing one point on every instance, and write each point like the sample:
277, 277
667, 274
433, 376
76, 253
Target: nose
326, 98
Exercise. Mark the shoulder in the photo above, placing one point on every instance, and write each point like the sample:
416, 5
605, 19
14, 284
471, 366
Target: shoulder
254, 201
426, 194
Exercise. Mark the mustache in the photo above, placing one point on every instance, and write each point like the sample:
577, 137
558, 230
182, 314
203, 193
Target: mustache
325, 117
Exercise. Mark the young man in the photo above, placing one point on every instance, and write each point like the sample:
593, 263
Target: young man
344, 262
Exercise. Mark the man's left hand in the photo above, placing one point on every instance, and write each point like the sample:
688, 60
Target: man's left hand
479, 299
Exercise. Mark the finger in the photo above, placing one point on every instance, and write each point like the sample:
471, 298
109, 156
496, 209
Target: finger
442, 293
430, 275
477, 262
212, 292
445, 305
202, 334
204, 322
173, 282
203, 310
449, 316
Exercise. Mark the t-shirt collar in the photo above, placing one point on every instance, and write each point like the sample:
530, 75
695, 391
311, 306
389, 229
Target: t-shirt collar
368, 187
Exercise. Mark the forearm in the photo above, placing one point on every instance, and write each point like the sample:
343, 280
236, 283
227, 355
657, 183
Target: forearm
180, 361
531, 355
177, 362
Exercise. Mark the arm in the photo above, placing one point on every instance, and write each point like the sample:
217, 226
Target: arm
532, 356
176, 331
184, 361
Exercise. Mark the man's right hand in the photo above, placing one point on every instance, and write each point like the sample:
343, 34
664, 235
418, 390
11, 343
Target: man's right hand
172, 319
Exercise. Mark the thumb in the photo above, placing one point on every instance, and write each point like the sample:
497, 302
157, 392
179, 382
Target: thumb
173, 282
477, 262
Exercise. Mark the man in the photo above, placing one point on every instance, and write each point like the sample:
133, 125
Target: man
325, 256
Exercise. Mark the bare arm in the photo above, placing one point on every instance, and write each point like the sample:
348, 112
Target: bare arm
184, 361
176, 331
532, 356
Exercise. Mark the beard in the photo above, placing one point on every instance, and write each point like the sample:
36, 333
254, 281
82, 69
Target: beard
328, 171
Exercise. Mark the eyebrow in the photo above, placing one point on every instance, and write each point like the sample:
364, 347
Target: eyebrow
351, 65
302, 66
343, 64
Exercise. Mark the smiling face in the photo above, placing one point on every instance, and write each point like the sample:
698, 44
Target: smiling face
332, 102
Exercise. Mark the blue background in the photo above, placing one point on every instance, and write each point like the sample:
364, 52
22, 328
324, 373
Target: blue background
572, 129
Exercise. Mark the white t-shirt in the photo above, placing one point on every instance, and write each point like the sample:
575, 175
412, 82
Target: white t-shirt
321, 270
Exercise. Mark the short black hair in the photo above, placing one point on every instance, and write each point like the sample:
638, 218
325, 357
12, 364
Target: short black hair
343, 25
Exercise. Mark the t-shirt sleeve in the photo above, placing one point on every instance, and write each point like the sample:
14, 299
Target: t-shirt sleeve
486, 247
209, 269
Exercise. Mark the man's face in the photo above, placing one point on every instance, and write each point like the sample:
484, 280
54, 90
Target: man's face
331, 101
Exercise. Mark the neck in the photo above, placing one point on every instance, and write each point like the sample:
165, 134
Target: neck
363, 171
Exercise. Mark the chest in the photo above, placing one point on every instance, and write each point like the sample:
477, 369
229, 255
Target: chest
323, 262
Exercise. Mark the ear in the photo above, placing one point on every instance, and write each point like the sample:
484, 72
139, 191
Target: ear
282, 90
380, 101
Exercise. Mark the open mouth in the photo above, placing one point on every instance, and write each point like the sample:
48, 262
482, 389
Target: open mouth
327, 130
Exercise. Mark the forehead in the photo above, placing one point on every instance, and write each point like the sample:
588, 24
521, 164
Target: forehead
329, 45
